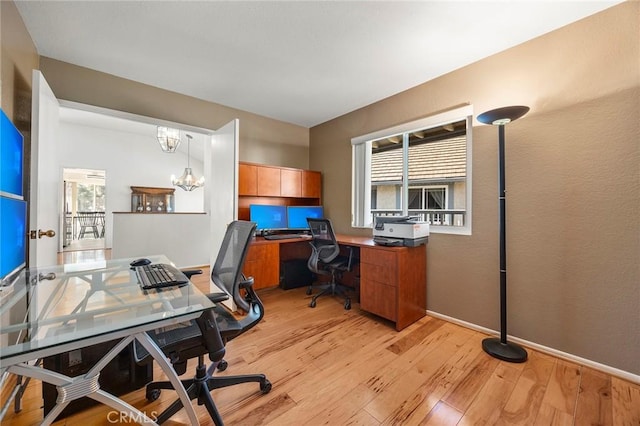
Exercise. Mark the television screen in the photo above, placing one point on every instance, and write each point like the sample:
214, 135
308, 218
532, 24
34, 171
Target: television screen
13, 237
297, 216
11, 156
268, 216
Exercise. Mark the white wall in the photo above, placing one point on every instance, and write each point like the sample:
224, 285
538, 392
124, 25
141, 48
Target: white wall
185, 238
129, 159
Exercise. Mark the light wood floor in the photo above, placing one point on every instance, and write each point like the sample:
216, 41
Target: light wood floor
336, 367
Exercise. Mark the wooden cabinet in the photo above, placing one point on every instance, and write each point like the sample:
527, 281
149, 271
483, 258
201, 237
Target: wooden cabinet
311, 184
268, 181
393, 283
146, 199
285, 186
263, 264
248, 179
290, 183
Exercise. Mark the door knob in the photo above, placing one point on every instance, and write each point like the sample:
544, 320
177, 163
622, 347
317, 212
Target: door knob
49, 276
50, 233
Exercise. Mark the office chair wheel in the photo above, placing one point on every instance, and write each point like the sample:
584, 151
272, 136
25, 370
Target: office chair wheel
222, 365
312, 304
309, 291
347, 304
265, 387
152, 395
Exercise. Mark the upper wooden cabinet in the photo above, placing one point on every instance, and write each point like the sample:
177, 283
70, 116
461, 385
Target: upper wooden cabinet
270, 181
290, 183
248, 179
311, 184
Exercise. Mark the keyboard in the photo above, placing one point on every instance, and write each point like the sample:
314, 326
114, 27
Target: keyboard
282, 236
159, 275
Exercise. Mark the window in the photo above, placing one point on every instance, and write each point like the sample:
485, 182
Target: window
428, 198
90, 197
421, 168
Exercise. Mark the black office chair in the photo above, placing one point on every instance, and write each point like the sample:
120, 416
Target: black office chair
209, 334
325, 259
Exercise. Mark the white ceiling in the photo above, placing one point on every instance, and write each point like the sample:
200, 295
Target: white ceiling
303, 62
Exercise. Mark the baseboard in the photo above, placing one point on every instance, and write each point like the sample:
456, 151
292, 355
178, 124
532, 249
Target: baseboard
633, 378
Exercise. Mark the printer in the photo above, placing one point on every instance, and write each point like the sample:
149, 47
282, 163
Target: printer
406, 231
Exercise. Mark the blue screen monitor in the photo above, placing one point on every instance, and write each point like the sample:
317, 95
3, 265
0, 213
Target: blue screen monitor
13, 237
268, 217
297, 216
11, 157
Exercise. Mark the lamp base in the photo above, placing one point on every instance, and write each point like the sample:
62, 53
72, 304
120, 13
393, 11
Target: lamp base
508, 351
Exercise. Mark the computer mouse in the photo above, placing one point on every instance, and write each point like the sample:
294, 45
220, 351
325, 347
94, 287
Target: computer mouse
140, 262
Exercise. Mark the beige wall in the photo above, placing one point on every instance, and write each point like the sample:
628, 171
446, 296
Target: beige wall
18, 58
573, 194
262, 140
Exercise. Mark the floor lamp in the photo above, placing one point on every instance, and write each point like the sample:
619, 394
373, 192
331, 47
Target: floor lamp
500, 348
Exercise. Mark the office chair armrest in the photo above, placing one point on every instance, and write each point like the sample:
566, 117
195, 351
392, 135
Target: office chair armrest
246, 282
191, 272
218, 297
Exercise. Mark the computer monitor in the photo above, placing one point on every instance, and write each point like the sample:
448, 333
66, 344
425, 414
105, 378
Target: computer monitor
297, 216
13, 238
268, 217
11, 157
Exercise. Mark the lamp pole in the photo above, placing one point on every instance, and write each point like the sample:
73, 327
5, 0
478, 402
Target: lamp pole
501, 348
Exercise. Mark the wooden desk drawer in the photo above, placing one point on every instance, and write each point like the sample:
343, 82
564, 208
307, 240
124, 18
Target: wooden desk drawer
378, 256
379, 299
380, 266
385, 274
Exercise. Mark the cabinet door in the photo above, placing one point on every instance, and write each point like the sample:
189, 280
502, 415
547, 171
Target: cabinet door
378, 298
262, 264
378, 282
268, 182
247, 179
311, 184
290, 183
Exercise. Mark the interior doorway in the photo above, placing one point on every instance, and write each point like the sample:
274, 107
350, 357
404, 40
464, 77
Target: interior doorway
84, 207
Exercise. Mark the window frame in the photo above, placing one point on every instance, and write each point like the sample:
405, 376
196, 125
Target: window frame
361, 216
94, 198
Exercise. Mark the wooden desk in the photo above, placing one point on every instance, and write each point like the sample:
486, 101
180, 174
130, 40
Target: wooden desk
393, 280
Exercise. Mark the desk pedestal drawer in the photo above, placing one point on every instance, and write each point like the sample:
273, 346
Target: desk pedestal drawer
379, 299
381, 272
393, 283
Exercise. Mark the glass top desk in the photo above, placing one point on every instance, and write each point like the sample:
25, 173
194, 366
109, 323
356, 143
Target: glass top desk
53, 310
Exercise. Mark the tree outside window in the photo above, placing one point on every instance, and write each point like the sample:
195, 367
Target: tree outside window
91, 198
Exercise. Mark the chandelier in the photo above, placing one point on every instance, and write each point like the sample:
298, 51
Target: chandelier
168, 138
187, 181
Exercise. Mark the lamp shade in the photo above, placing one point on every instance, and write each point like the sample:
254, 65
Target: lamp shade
168, 138
188, 181
504, 115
